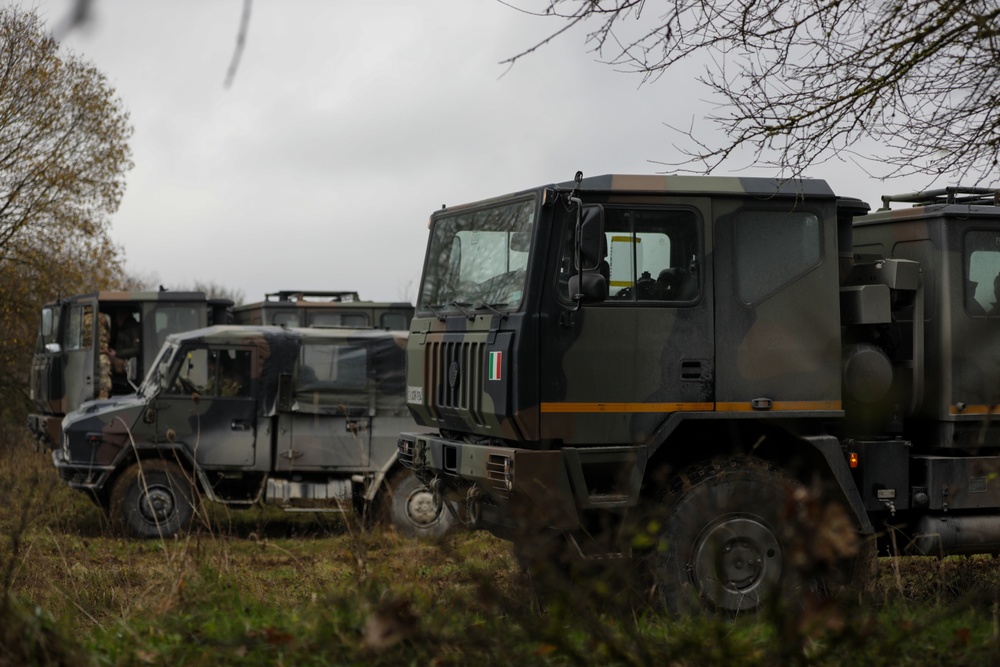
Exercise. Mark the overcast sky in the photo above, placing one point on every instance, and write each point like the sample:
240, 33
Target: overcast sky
348, 123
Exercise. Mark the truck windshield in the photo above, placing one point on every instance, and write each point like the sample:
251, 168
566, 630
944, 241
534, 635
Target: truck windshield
158, 370
477, 259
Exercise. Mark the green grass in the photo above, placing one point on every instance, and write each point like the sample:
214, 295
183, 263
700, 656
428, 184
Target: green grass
260, 587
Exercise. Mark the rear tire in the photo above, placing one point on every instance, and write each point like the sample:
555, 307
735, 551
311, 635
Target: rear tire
152, 499
412, 509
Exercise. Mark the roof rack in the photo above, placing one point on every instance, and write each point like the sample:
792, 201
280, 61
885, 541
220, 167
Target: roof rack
956, 194
300, 295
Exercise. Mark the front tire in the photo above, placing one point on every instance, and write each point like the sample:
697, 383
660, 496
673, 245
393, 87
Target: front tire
413, 510
152, 499
722, 547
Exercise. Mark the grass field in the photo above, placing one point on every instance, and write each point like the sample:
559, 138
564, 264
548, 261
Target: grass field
260, 587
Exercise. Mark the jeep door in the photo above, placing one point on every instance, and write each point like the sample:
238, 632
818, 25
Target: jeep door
328, 424
210, 405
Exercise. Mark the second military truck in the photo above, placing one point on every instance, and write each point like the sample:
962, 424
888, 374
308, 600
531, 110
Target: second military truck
662, 369
303, 419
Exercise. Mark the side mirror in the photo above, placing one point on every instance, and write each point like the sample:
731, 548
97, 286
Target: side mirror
53, 348
590, 237
588, 287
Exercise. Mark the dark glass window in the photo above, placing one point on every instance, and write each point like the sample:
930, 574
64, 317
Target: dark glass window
982, 278
773, 248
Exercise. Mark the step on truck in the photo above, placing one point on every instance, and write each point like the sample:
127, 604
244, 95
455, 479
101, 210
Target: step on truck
666, 370
85, 343
302, 419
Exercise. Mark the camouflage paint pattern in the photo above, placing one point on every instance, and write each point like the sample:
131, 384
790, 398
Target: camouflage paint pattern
330, 424
68, 369
559, 407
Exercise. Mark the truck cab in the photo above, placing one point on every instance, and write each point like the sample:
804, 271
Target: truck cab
85, 344
701, 354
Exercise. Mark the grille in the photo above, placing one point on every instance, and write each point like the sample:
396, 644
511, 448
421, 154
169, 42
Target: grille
466, 395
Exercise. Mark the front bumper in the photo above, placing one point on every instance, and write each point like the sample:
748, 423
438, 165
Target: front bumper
84, 476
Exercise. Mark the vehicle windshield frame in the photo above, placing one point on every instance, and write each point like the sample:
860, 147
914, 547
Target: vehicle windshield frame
478, 258
164, 359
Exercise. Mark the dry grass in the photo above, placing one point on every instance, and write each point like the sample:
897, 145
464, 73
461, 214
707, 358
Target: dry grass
263, 587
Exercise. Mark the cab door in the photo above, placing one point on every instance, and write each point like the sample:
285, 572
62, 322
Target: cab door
612, 372
327, 426
81, 346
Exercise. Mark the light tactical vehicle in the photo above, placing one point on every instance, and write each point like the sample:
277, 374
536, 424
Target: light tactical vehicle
304, 419
664, 368
298, 308
85, 341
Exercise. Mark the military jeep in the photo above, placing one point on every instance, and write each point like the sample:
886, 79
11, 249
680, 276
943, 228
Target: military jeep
302, 419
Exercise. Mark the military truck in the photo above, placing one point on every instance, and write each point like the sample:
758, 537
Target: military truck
299, 308
667, 369
85, 341
302, 419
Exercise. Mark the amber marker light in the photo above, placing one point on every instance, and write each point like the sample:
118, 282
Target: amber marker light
852, 459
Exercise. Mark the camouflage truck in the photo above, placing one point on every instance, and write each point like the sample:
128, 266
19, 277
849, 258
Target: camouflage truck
298, 308
303, 419
85, 341
663, 370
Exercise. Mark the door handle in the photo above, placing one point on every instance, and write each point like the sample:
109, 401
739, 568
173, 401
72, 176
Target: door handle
240, 425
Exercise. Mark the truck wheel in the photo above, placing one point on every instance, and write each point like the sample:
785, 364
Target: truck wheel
412, 509
722, 547
152, 499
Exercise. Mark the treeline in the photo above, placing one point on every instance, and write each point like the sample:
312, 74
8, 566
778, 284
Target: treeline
64, 154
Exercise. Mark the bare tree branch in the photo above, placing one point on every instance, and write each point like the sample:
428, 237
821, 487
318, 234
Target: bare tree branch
802, 81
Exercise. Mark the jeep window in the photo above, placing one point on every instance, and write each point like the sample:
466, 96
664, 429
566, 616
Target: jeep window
358, 320
331, 367
759, 237
394, 321
478, 258
223, 373
982, 277
159, 371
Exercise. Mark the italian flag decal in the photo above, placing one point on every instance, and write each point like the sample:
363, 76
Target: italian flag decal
496, 359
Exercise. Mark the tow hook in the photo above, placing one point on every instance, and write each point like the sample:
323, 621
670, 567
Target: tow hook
474, 506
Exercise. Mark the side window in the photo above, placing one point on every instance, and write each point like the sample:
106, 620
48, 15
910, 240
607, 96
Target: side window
223, 373
285, 319
326, 367
174, 319
80, 328
759, 237
982, 277
359, 320
394, 321
652, 255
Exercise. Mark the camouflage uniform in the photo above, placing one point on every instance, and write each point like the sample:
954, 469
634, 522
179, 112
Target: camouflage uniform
104, 356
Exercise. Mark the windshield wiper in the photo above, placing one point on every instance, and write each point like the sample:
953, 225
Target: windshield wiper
434, 309
493, 307
462, 305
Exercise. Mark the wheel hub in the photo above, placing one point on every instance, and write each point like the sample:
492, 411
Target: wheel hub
157, 504
737, 563
421, 508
